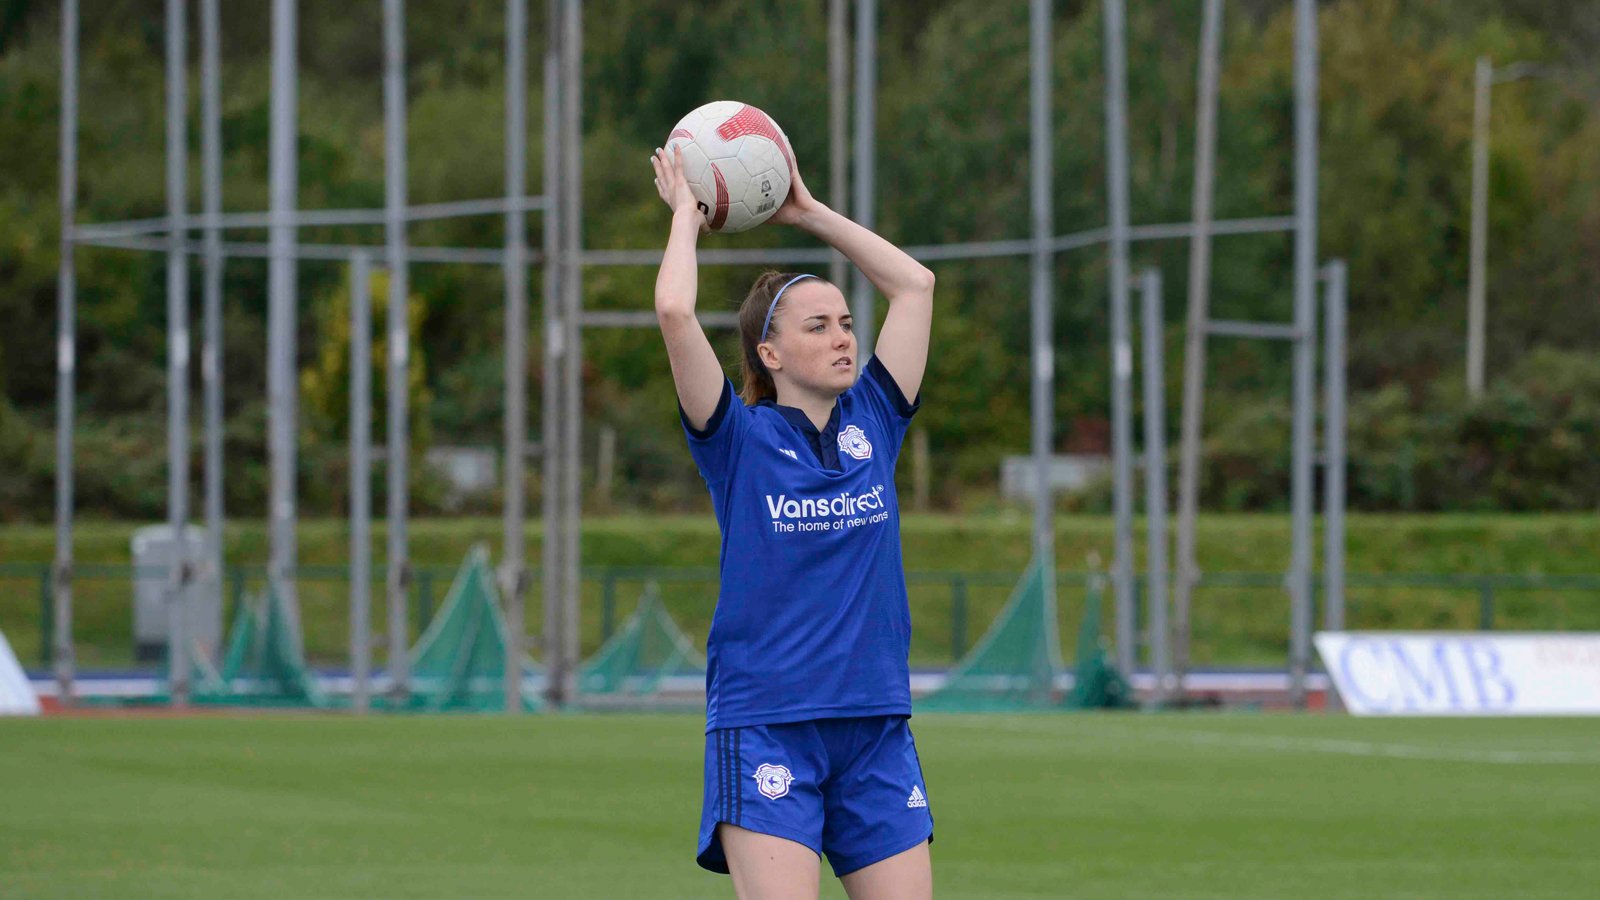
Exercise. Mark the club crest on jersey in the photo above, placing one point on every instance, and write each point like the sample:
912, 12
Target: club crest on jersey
853, 441
773, 781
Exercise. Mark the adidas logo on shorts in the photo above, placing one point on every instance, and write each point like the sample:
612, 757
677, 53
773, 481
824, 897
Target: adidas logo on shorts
917, 800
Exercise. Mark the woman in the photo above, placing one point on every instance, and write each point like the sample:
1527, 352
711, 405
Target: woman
808, 751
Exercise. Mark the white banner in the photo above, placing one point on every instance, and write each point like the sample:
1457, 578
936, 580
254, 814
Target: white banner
16, 692
1399, 673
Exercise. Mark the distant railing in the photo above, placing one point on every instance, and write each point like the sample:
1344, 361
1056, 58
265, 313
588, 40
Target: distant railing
428, 582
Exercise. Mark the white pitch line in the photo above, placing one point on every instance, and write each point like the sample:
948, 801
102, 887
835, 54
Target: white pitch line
1327, 745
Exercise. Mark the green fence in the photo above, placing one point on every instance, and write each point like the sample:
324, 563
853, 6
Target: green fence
1238, 618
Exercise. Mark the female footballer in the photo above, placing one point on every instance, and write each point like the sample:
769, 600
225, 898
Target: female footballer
808, 751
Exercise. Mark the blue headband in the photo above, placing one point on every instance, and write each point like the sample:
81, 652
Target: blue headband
768, 321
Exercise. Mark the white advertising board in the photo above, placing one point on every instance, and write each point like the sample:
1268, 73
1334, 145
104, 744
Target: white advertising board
1399, 673
16, 692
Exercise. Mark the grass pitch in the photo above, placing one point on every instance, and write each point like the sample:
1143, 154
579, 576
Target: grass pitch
315, 807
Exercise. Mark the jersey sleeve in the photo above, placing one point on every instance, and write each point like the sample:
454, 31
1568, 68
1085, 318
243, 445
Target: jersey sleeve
881, 395
714, 446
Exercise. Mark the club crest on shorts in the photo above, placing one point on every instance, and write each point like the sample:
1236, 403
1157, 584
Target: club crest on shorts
853, 441
773, 781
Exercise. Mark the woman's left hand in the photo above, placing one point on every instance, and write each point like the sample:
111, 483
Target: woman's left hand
799, 204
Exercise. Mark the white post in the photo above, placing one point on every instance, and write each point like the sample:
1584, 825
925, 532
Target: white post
66, 362
1155, 481
1194, 353
398, 576
283, 395
360, 481
1305, 301
1116, 111
1041, 304
177, 356
516, 349
211, 353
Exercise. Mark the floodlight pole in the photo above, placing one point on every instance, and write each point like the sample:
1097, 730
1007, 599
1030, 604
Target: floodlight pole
211, 351
360, 480
398, 575
1042, 297
863, 295
177, 357
282, 391
1116, 110
516, 350
551, 423
1194, 353
838, 123
66, 344
1305, 299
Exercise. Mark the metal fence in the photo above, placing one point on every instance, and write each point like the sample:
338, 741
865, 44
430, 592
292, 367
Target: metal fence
1241, 618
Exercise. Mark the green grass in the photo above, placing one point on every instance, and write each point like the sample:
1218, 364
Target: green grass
1232, 625
1091, 806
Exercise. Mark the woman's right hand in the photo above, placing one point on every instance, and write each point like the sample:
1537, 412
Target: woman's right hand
673, 185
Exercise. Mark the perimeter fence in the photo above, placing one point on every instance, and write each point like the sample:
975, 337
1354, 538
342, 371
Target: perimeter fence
1241, 621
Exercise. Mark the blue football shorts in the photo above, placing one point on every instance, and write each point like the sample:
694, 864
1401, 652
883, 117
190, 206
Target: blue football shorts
850, 789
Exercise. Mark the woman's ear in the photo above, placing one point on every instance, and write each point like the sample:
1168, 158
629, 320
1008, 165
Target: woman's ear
769, 357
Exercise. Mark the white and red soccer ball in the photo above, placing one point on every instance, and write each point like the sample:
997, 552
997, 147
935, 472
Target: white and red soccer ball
738, 162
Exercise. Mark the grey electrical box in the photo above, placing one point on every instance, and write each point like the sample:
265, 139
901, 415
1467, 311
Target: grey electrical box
153, 550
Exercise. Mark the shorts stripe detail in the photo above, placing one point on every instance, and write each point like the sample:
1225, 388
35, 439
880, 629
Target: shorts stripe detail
738, 795
731, 762
722, 771
726, 787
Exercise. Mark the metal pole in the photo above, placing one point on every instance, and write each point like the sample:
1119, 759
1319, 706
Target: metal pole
211, 352
66, 343
838, 122
516, 361
550, 424
360, 480
1305, 299
572, 385
398, 576
282, 391
1483, 80
1194, 353
863, 295
1116, 103
1041, 134
177, 356
1335, 311
1155, 480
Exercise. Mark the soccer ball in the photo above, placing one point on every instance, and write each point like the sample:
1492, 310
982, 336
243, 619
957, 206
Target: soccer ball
738, 162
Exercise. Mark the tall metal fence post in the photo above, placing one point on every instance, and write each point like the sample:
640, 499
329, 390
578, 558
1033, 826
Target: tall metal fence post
1116, 113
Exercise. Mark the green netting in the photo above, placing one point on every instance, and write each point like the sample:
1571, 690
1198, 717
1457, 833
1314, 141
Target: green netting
647, 648
459, 662
1098, 684
263, 664
1014, 666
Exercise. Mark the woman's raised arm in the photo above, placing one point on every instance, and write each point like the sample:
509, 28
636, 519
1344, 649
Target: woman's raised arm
695, 370
902, 344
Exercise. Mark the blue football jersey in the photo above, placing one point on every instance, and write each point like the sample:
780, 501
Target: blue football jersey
812, 619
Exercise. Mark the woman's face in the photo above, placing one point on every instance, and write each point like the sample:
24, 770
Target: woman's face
815, 347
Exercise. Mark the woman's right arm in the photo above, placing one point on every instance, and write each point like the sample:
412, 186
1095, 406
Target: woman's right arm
695, 369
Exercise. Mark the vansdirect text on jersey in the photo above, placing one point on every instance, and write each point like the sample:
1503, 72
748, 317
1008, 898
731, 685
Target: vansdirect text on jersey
837, 513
